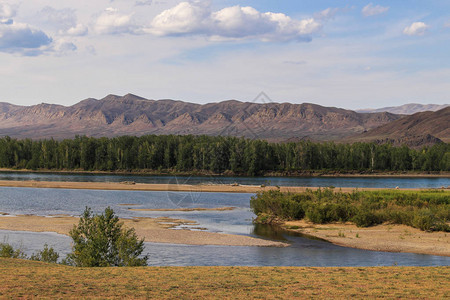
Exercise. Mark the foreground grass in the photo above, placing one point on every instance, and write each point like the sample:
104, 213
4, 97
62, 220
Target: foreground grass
28, 279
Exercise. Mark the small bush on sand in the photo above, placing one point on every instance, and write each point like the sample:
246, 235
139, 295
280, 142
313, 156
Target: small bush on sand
102, 241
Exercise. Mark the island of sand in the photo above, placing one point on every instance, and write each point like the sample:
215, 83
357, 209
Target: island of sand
156, 230
385, 237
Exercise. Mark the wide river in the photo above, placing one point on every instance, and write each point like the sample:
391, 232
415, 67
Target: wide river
357, 182
302, 252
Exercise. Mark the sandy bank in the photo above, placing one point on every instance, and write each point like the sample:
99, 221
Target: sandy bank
153, 230
184, 209
389, 238
159, 187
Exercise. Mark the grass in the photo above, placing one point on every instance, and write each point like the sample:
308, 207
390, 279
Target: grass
427, 210
30, 279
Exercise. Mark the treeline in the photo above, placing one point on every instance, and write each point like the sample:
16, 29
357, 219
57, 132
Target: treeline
215, 154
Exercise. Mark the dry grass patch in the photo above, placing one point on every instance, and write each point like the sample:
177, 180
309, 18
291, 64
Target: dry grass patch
34, 279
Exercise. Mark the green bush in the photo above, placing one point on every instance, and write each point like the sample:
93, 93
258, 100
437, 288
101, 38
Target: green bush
48, 255
426, 210
102, 241
8, 251
365, 218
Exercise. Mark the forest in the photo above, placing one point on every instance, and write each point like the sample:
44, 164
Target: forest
216, 154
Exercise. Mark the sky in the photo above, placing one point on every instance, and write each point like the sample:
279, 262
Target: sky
349, 54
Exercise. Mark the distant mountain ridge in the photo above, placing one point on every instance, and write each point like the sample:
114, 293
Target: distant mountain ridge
423, 128
406, 109
133, 115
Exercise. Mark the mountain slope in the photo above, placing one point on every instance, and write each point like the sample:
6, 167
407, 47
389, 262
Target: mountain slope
133, 115
406, 109
420, 128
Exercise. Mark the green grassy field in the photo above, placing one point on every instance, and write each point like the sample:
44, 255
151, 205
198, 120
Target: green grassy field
29, 279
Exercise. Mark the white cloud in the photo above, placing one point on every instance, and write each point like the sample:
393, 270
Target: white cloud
7, 11
327, 14
22, 38
111, 21
62, 47
143, 2
416, 28
447, 25
60, 18
372, 10
64, 20
236, 22
78, 30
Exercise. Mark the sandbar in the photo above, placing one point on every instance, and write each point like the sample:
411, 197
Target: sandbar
385, 237
184, 209
213, 188
156, 230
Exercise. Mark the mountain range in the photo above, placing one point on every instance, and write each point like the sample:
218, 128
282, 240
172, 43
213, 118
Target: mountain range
406, 109
423, 128
133, 115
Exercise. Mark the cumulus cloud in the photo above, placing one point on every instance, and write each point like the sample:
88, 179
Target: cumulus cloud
111, 21
23, 39
65, 20
416, 28
372, 10
236, 22
62, 47
77, 30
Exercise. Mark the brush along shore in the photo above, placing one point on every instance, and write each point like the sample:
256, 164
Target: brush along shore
382, 220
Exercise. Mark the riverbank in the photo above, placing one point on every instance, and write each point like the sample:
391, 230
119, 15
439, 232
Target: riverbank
30, 279
306, 173
131, 186
385, 237
155, 230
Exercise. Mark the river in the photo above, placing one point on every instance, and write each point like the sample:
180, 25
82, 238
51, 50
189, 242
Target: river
302, 252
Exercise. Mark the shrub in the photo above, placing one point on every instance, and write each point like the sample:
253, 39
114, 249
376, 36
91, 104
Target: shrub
8, 251
48, 255
102, 241
426, 220
426, 210
365, 218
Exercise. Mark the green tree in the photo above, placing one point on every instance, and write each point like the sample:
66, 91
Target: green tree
102, 241
48, 255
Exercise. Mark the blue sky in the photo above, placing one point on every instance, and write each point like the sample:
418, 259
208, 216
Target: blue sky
351, 54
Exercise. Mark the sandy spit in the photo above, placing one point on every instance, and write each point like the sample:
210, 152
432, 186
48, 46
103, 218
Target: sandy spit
153, 230
385, 237
159, 187
184, 209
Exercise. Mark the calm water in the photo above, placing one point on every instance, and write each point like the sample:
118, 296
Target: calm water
302, 252
371, 182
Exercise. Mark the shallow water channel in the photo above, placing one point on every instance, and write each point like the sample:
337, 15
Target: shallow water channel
302, 252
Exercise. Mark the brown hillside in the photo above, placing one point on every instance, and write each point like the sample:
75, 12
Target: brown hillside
420, 128
133, 115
